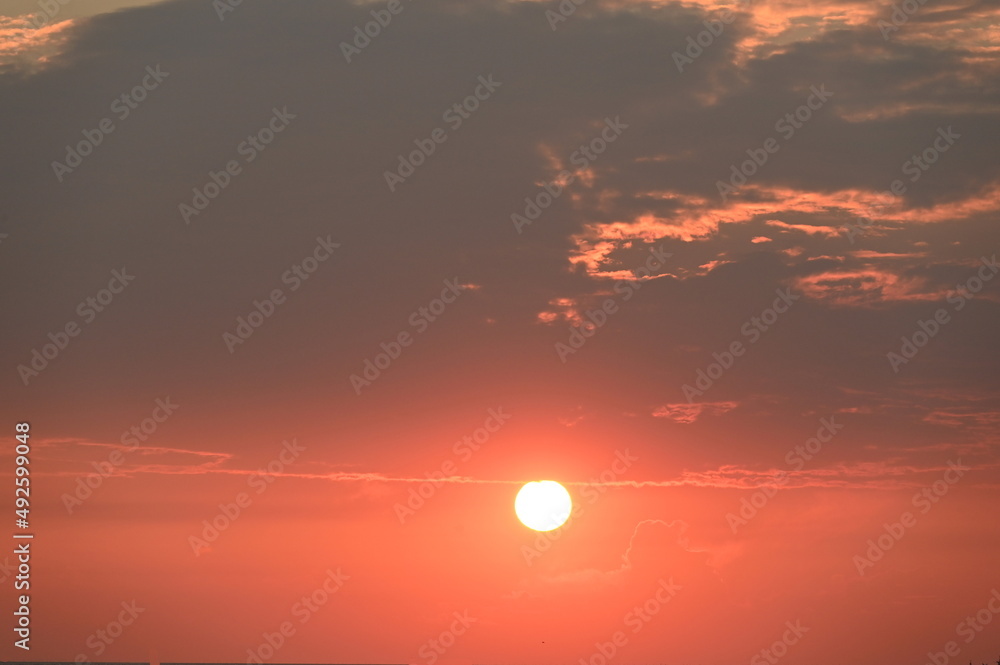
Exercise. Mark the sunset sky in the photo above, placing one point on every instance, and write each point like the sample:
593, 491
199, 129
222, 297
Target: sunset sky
294, 310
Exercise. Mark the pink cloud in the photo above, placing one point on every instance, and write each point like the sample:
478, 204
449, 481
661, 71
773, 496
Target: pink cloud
688, 413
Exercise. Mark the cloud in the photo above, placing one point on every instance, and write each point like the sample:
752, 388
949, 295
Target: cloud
683, 412
825, 231
25, 48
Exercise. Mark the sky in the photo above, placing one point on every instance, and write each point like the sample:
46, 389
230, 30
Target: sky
297, 295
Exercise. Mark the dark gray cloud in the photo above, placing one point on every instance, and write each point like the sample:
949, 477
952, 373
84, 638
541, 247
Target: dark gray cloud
323, 176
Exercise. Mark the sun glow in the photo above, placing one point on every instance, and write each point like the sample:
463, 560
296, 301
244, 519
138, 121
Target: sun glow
543, 505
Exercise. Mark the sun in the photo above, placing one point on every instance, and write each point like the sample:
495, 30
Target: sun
543, 505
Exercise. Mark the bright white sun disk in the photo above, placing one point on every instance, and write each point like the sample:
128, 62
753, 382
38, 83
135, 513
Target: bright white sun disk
543, 505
